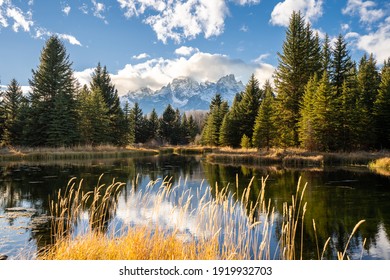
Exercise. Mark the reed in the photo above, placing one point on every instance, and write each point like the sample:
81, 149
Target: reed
71, 153
225, 225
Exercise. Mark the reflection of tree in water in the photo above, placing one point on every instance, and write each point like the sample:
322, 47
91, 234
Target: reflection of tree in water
337, 200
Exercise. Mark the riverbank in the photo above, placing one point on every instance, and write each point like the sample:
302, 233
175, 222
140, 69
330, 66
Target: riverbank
381, 166
290, 157
77, 152
293, 157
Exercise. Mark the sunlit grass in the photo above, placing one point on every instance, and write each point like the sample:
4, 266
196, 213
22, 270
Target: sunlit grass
227, 226
381, 166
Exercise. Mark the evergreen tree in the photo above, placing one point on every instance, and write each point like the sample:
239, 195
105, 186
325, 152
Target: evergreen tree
93, 117
230, 133
245, 142
324, 117
341, 64
10, 105
167, 125
353, 117
101, 81
249, 106
129, 125
193, 128
369, 79
306, 126
382, 109
154, 126
296, 66
211, 130
264, 129
326, 53
53, 94
137, 118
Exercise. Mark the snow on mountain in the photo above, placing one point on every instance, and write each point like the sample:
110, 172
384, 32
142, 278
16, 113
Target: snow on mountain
185, 94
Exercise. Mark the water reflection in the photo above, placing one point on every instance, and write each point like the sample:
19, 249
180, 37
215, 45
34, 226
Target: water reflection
336, 198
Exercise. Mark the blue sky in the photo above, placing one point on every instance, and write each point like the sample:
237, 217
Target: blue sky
150, 42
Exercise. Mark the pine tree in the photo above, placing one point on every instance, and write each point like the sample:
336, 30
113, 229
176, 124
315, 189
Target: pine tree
230, 134
341, 64
168, 123
154, 125
306, 125
193, 128
382, 109
137, 118
11, 102
296, 66
249, 106
211, 130
245, 142
53, 94
93, 116
326, 53
264, 129
101, 80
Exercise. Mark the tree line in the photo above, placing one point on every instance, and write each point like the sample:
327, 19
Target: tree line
322, 100
59, 112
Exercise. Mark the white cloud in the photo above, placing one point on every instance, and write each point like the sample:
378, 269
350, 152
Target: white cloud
155, 73
21, 19
71, 39
376, 42
98, 10
261, 58
247, 2
84, 77
141, 56
365, 9
310, 9
186, 51
66, 10
179, 20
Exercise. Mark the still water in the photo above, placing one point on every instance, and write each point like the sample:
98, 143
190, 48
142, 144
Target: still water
337, 198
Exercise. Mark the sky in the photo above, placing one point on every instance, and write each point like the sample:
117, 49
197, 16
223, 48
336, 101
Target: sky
147, 43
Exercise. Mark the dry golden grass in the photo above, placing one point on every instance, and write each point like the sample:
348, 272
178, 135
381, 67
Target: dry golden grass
228, 227
381, 166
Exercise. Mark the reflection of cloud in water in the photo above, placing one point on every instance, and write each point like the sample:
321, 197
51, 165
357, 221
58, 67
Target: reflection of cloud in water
380, 250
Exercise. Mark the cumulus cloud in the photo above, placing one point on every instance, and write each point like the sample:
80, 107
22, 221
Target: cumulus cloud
179, 20
310, 9
98, 10
71, 39
365, 9
186, 51
155, 73
141, 56
376, 42
21, 20
66, 9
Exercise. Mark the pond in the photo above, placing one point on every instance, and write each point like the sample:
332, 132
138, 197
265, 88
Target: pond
337, 199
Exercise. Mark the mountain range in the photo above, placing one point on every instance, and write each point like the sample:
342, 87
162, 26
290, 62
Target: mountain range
184, 93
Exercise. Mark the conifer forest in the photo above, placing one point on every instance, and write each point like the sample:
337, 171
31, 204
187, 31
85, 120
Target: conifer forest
319, 100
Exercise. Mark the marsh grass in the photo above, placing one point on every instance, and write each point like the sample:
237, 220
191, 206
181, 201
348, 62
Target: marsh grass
224, 225
381, 166
71, 153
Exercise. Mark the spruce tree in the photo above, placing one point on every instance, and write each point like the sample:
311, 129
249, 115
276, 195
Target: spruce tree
296, 66
249, 106
101, 81
341, 64
11, 102
53, 89
168, 123
137, 118
264, 129
154, 125
382, 109
306, 125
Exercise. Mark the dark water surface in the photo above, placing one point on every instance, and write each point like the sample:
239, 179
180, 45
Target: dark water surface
337, 198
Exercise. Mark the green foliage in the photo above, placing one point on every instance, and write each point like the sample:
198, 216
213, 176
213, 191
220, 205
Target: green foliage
53, 87
382, 110
264, 131
211, 130
341, 64
10, 107
245, 142
297, 63
168, 126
